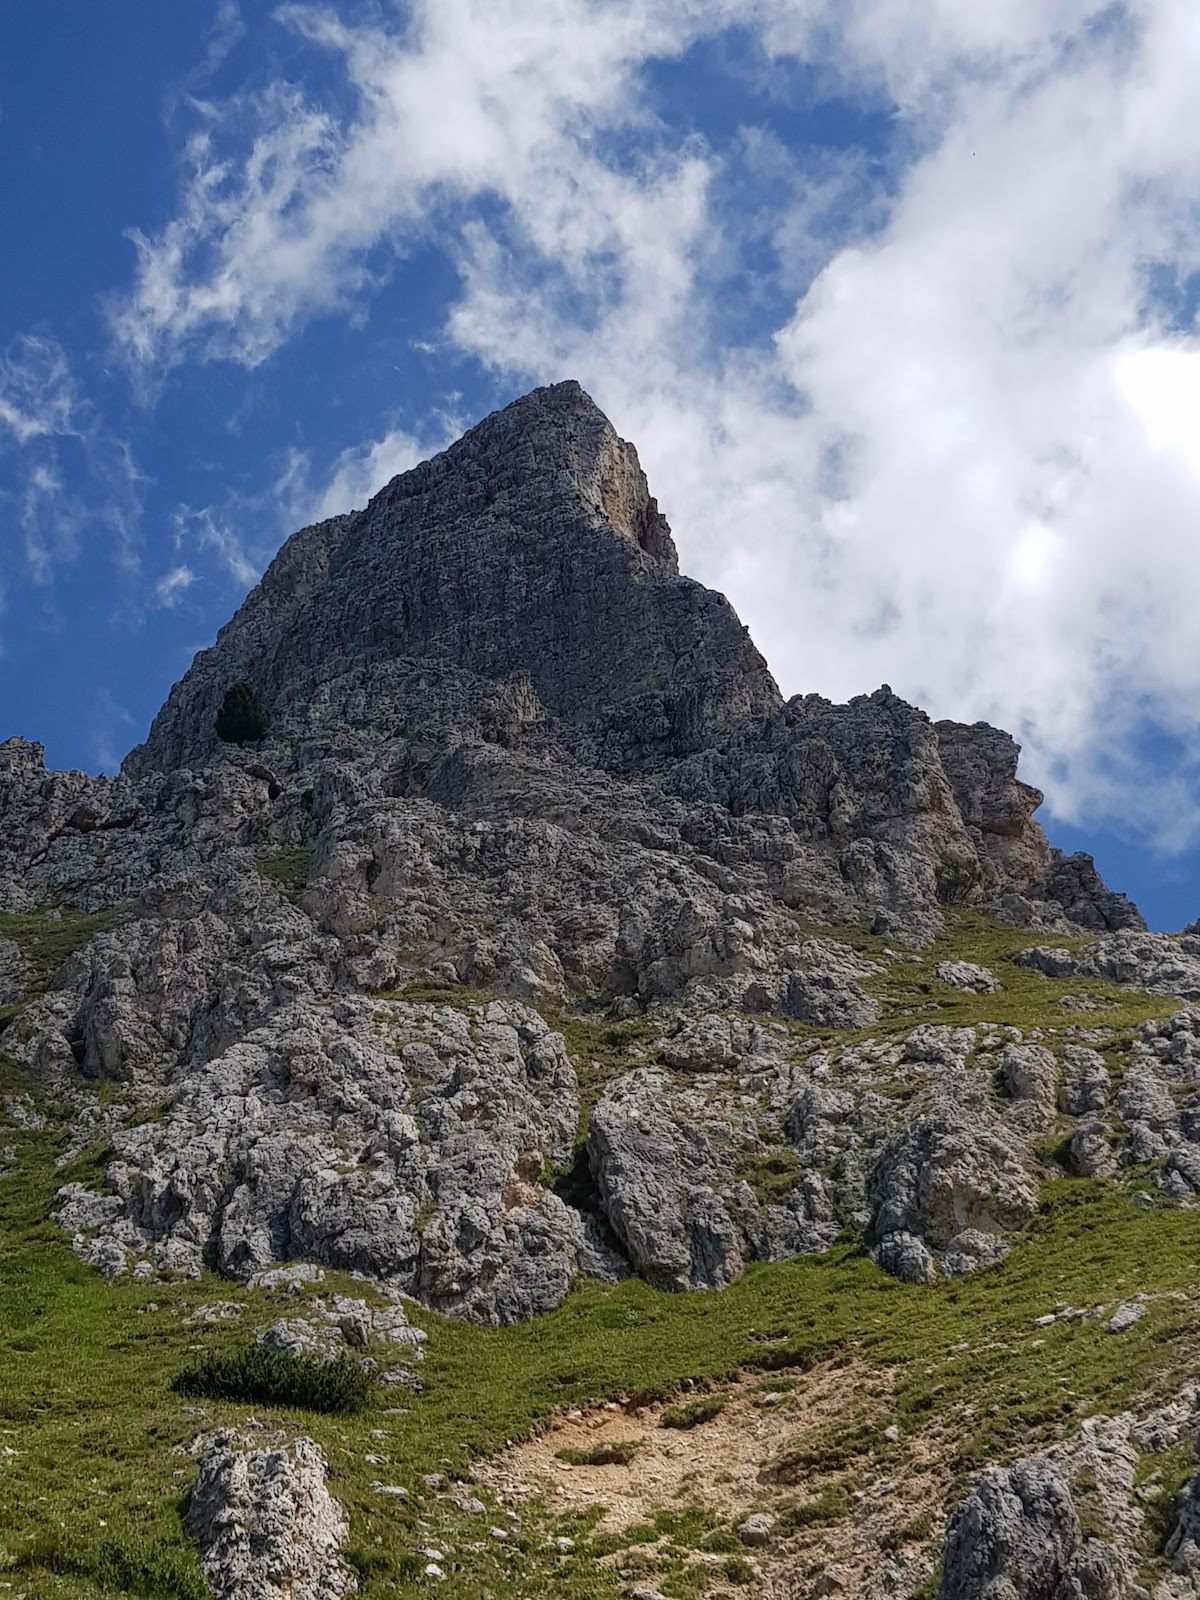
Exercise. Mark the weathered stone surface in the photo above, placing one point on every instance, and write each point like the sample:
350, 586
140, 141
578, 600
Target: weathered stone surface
12, 972
510, 747
968, 976
1029, 1074
1086, 1082
954, 1173
1126, 1314
1163, 963
267, 1527
407, 1141
1013, 1538
825, 989
1017, 1535
905, 1256
756, 1530
997, 809
1183, 1548
671, 1168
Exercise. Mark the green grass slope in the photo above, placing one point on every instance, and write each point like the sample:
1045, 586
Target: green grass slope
96, 1439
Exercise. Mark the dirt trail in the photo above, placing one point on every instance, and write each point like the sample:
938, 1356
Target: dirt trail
810, 1450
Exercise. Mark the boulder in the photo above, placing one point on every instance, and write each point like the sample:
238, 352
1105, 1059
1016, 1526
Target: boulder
266, 1525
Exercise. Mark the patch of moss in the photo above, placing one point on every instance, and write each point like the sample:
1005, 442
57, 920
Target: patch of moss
831, 1504
149, 1566
772, 1174
830, 1452
694, 1412
739, 1570
1161, 1479
287, 868
48, 937
911, 993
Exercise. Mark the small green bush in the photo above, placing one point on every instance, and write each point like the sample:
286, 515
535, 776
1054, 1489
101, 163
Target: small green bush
617, 1454
830, 1505
694, 1412
739, 1570
240, 719
276, 1378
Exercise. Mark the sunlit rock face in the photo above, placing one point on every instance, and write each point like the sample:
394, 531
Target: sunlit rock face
513, 758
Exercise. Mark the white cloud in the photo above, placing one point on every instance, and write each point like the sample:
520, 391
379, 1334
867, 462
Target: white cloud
173, 585
965, 463
478, 97
37, 393
70, 476
358, 473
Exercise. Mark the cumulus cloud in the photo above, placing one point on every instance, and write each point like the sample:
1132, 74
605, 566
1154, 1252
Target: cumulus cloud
962, 455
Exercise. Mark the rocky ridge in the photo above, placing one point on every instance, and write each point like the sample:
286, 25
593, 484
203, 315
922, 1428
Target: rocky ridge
539, 940
508, 747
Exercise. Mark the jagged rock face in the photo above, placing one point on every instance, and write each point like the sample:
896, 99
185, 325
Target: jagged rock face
1017, 1535
520, 594
267, 1527
405, 1142
531, 548
955, 1179
672, 1166
510, 747
1014, 1538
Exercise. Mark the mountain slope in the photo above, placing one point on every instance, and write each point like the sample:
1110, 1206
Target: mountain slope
539, 966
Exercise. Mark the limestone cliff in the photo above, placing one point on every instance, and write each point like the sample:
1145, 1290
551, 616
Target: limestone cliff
540, 939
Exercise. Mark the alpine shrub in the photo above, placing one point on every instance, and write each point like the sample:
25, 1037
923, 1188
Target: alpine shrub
240, 719
277, 1378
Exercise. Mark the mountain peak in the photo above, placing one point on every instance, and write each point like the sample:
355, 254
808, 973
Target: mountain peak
531, 548
555, 441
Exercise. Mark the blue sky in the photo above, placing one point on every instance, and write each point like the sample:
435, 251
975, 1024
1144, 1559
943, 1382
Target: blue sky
898, 302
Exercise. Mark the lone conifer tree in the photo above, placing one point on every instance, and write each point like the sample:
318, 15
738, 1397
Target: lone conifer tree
240, 719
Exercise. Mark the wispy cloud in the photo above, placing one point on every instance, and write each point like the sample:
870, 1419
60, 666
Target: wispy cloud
71, 477
304, 492
215, 534
173, 585
37, 392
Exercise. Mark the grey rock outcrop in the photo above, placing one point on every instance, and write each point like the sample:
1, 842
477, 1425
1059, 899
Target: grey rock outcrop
1018, 1536
968, 976
406, 1141
266, 1525
956, 1179
672, 1166
1161, 963
1183, 1548
510, 747
997, 809
1014, 1538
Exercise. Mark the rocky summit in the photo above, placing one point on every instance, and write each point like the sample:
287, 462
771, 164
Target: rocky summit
499, 1101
